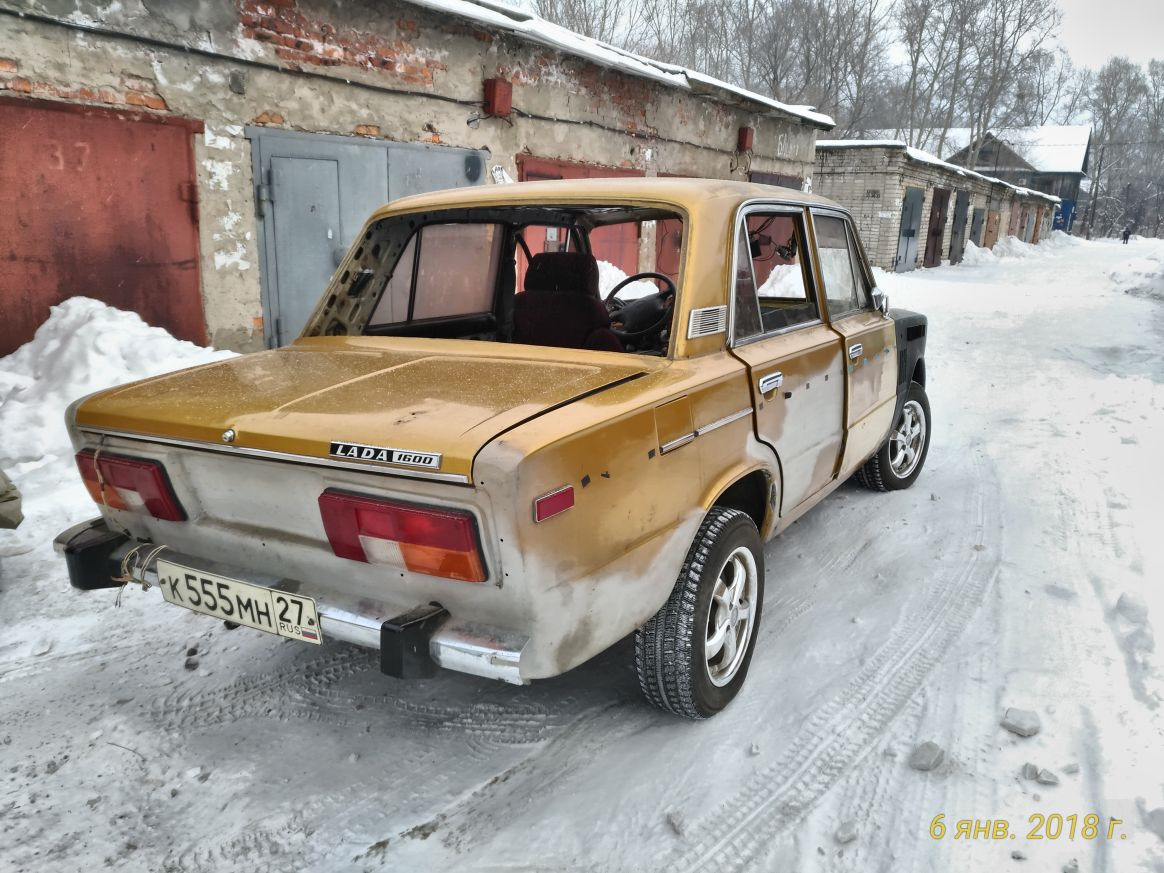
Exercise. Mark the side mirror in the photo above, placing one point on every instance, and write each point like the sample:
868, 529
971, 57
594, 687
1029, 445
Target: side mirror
881, 301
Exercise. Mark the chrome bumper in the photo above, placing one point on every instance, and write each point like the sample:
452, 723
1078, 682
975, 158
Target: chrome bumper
464, 646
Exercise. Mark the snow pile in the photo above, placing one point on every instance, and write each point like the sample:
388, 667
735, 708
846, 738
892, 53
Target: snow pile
1051, 246
83, 347
609, 275
1142, 277
974, 256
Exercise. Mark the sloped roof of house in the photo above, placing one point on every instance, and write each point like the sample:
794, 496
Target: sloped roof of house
1049, 148
525, 25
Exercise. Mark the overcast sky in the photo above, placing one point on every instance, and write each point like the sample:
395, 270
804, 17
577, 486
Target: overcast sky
1095, 30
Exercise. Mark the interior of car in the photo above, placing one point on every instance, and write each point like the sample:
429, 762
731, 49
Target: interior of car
601, 278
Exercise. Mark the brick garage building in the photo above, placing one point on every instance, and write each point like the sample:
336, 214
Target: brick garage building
914, 209
206, 164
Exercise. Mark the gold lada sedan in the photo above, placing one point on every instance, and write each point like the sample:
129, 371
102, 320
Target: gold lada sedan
474, 459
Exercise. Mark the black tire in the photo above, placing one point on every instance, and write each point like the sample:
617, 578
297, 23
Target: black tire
878, 472
670, 649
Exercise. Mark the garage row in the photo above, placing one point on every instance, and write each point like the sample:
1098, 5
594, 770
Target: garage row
915, 210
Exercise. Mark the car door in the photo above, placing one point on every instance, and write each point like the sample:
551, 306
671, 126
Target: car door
868, 336
794, 359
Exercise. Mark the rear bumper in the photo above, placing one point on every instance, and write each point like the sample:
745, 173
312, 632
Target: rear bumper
94, 554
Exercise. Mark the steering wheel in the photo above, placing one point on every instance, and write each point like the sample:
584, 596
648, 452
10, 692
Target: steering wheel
663, 300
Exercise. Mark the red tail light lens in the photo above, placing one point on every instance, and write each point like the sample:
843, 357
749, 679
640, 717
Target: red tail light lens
424, 539
130, 483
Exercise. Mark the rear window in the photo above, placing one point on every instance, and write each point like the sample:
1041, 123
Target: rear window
445, 270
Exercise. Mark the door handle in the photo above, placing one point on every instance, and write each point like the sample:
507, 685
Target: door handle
771, 382
855, 350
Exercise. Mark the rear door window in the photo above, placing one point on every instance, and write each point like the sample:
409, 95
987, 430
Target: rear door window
844, 283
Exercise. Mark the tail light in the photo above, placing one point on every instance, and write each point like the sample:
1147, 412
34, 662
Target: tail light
424, 539
130, 483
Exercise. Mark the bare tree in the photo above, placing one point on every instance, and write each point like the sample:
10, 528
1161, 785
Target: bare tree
1008, 34
605, 20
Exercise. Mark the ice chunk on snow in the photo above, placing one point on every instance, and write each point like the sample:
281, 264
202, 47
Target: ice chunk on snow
927, 756
1046, 777
1133, 608
1022, 722
846, 832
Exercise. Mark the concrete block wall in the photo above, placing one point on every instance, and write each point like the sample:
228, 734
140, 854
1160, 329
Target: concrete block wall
363, 69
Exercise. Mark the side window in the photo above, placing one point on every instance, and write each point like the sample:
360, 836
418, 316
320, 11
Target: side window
455, 271
844, 283
772, 286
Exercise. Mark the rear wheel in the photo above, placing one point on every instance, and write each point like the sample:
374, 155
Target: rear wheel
693, 655
898, 463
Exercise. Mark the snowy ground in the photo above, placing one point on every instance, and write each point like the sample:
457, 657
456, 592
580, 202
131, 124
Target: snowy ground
890, 620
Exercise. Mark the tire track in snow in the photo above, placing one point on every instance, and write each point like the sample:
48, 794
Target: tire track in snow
842, 731
307, 691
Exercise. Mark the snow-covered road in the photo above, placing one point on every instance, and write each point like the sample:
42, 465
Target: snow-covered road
1015, 574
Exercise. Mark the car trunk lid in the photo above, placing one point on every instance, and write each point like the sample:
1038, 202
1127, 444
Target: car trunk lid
393, 404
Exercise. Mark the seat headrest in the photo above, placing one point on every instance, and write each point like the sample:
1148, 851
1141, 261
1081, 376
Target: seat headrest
566, 272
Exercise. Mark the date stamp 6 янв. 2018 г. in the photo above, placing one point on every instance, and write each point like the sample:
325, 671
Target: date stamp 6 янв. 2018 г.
1040, 827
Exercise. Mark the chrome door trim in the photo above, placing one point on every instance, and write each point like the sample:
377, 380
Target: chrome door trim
455, 478
721, 422
855, 351
678, 442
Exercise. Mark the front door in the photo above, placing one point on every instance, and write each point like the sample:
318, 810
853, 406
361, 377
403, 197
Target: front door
958, 231
794, 360
976, 224
868, 337
911, 210
993, 220
937, 227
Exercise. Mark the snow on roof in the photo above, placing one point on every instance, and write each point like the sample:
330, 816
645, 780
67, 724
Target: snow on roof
1049, 148
926, 158
1052, 148
499, 16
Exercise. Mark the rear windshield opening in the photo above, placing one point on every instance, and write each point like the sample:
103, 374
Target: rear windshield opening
534, 275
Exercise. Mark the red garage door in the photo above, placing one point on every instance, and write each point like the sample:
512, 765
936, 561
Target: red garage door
97, 203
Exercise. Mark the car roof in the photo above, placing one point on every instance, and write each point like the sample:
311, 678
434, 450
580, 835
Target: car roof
686, 193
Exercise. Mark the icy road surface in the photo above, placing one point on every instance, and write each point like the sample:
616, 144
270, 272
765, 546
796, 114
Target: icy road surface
1023, 570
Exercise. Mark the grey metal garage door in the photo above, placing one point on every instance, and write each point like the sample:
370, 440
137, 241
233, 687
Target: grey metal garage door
313, 193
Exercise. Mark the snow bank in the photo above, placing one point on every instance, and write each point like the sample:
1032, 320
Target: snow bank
609, 275
1142, 277
974, 256
1013, 247
83, 347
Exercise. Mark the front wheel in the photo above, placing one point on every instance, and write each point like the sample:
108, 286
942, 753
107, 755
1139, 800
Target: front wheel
898, 463
693, 655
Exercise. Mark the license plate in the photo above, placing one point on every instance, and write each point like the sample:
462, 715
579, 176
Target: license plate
265, 609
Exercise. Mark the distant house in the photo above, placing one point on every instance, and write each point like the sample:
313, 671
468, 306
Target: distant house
1051, 159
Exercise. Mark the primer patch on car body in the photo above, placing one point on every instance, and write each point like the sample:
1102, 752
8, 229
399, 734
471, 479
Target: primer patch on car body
386, 455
